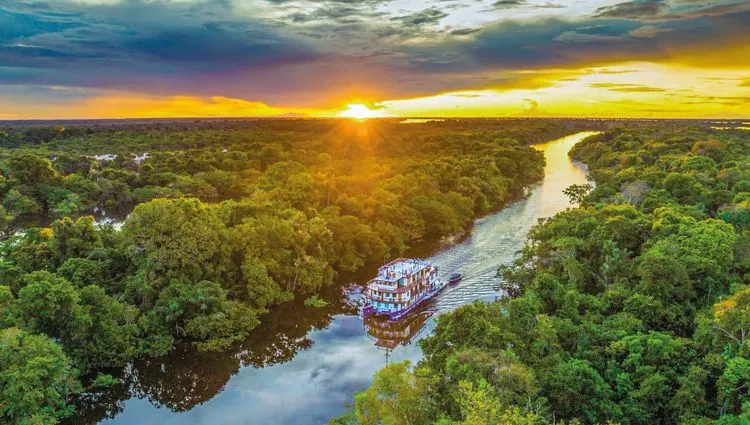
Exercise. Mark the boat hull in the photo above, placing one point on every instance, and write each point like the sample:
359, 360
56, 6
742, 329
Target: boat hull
369, 310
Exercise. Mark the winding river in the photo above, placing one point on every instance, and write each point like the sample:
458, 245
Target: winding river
303, 365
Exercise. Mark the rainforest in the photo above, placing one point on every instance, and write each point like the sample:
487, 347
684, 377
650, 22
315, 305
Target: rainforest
123, 242
374, 212
631, 308
223, 221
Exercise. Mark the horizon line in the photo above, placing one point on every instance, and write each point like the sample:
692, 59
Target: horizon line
436, 117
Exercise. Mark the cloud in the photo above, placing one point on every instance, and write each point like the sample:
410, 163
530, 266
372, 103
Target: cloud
606, 71
429, 16
133, 45
711, 10
132, 105
546, 43
549, 5
465, 31
533, 110
324, 52
509, 4
582, 37
637, 9
718, 100
516, 4
627, 88
648, 31
342, 13
662, 10
533, 105
589, 42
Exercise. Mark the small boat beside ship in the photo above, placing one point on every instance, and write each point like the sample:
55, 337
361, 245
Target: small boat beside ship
400, 286
454, 278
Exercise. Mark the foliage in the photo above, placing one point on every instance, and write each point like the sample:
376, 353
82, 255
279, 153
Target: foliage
316, 302
631, 308
223, 224
396, 397
36, 378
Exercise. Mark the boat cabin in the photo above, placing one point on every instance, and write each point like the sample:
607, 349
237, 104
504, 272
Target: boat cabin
400, 284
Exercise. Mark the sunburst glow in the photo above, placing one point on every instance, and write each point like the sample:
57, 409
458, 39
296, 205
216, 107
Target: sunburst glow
360, 111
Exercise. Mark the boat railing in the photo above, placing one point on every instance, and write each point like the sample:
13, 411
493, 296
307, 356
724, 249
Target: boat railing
389, 299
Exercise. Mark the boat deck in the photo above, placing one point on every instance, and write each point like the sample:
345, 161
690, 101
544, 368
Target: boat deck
399, 268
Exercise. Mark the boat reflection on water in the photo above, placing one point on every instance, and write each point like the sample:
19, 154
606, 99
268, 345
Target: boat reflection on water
389, 334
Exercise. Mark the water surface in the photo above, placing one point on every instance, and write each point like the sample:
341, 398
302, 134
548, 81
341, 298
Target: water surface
303, 365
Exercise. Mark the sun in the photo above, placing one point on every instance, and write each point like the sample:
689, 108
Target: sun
361, 111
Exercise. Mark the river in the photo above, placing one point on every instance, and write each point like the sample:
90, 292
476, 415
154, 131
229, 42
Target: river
303, 365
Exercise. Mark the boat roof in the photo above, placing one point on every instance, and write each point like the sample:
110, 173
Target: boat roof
399, 268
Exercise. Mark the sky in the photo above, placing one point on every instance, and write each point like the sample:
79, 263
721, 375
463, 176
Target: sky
496, 58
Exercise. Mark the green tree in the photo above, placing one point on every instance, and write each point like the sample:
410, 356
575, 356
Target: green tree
103, 333
577, 193
47, 303
576, 390
396, 397
182, 239
36, 379
479, 406
74, 238
30, 170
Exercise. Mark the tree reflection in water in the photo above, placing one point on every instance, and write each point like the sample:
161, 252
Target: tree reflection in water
187, 377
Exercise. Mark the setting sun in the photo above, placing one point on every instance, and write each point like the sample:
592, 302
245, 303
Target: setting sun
360, 111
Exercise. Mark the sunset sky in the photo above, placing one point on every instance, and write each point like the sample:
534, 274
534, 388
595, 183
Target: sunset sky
184, 58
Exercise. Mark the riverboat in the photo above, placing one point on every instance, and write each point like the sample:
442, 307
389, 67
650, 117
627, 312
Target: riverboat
400, 286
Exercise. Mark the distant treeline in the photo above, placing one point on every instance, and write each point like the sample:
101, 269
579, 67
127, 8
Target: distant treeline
633, 308
228, 220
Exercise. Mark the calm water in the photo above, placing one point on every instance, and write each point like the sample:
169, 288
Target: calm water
303, 365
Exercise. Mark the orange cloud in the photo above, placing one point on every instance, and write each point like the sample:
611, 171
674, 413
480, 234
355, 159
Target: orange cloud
180, 106
128, 105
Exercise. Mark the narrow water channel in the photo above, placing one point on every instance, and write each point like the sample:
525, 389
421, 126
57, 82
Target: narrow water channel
302, 366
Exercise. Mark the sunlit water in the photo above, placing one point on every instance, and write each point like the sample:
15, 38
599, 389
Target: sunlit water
289, 375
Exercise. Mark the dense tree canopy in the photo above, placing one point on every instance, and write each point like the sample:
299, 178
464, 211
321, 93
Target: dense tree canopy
225, 221
631, 308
